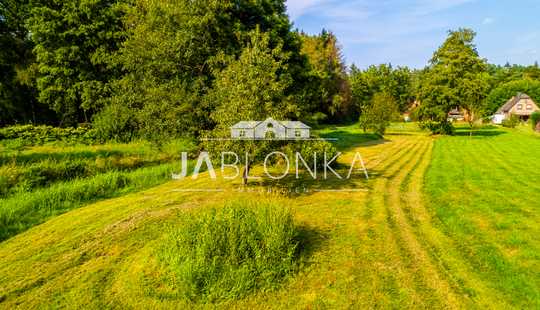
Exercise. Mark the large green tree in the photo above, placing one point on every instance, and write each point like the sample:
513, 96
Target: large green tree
18, 102
379, 113
397, 82
330, 85
173, 50
455, 78
252, 87
73, 43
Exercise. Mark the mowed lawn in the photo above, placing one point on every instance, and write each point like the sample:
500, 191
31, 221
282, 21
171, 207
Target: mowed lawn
444, 222
485, 195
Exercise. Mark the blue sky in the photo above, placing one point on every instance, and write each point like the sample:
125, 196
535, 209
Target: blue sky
406, 32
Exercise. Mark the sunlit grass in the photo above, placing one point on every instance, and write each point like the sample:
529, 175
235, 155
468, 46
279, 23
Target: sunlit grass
485, 193
463, 236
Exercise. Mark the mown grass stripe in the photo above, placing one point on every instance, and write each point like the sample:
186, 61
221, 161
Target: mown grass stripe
427, 282
381, 243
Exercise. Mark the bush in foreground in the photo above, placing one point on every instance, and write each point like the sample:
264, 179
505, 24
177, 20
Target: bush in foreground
227, 252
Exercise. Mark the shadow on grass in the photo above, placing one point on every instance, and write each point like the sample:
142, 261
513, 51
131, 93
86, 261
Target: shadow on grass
306, 185
400, 134
347, 140
481, 132
310, 241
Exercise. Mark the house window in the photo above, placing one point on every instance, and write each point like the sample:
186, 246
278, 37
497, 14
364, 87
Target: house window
529, 107
520, 107
297, 133
242, 133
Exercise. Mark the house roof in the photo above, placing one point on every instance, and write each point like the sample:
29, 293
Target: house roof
295, 125
253, 124
245, 125
512, 102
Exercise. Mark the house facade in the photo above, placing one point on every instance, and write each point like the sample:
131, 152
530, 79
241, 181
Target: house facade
521, 105
270, 129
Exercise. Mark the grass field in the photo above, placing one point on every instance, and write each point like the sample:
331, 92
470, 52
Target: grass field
443, 222
39, 182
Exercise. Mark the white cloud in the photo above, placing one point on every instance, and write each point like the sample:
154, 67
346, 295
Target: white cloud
487, 21
427, 7
297, 8
379, 30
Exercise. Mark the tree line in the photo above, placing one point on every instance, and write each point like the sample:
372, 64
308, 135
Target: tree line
149, 68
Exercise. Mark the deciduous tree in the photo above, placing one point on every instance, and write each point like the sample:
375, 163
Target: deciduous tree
454, 79
379, 113
73, 43
331, 88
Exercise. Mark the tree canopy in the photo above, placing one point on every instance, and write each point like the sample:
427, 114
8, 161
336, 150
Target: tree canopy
73, 43
396, 82
330, 85
455, 79
149, 68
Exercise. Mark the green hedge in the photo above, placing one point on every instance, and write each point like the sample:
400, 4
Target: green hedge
38, 135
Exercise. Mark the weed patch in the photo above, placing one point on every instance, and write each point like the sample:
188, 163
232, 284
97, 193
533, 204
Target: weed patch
225, 253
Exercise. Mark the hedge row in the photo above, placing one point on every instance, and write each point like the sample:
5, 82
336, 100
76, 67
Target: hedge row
38, 135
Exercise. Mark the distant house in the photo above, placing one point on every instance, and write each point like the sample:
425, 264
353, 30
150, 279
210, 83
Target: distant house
270, 129
456, 115
407, 114
521, 105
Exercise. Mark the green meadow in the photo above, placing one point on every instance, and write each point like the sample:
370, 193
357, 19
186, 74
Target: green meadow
443, 222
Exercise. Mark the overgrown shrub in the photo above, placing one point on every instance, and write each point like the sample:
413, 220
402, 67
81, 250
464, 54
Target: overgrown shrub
535, 119
444, 128
225, 253
9, 177
511, 122
115, 122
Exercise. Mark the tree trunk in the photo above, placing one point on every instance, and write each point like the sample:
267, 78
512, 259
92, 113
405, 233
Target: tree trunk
245, 175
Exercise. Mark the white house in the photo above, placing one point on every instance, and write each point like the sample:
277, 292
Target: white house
521, 105
270, 129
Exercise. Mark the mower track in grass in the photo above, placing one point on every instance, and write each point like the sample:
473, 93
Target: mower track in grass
382, 248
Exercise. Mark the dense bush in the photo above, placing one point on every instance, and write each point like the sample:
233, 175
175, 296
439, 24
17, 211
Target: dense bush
444, 128
227, 252
511, 122
38, 135
535, 119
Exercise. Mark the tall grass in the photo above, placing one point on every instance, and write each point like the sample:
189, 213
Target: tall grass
26, 209
227, 252
27, 177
